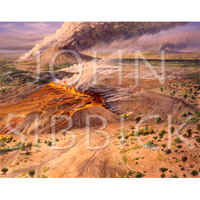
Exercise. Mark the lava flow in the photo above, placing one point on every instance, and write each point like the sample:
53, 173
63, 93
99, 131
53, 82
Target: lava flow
96, 97
73, 89
52, 100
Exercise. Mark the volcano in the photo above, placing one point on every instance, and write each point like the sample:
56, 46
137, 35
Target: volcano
54, 100
63, 58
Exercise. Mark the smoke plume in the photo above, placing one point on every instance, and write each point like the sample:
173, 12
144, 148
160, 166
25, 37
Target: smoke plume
176, 45
83, 35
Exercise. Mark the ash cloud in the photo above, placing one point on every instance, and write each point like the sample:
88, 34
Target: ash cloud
81, 36
176, 45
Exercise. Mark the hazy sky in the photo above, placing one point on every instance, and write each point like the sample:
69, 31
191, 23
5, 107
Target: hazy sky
22, 36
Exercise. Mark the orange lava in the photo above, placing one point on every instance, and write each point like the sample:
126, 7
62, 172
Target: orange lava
95, 96
52, 99
72, 89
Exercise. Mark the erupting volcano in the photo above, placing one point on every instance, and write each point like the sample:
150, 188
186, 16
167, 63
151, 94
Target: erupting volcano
54, 100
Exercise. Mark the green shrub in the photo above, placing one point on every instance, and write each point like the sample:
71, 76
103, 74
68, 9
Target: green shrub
45, 169
9, 139
184, 114
177, 140
27, 153
124, 159
138, 118
22, 148
155, 137
161, 134
146, 132
38, 141
123, 116
158, 120
184, 135
163, 169
179, 146
184, 159
172, 129
198, 127
31, 172
194, 120
168, 151
126, 137
198, 139
150, 131
132, 127
137, 174
49, 143
189, 113
194, 173
149, 144
189, 132
4, 170
29, 145
117, 175
43, 176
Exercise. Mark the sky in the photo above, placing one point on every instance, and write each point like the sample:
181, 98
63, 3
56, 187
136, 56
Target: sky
22, 36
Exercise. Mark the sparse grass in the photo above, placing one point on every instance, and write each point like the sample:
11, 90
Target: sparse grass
136, 147
161, 158
114, 163
23, 175
177, 63
124, 159
117, 175
194, 120
15, 170
59, 67
12, 76
123, 151
43, 176
45, 169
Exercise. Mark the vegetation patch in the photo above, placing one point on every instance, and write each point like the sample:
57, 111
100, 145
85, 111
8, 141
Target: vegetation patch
45, 169
161, 158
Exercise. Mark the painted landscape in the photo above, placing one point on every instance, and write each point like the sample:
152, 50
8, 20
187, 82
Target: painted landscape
99, 99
